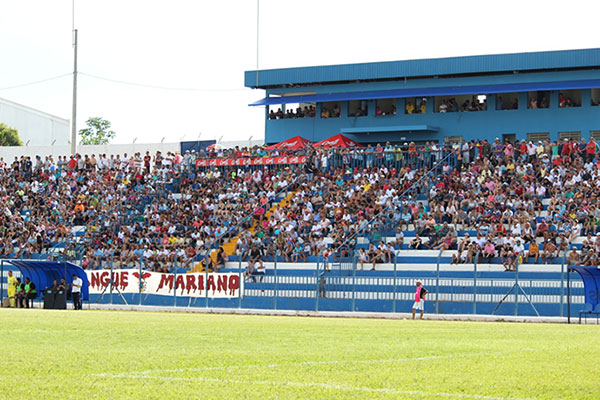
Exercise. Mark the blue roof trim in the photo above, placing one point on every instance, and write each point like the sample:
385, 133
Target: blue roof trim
435, 91
402, 128
425, 67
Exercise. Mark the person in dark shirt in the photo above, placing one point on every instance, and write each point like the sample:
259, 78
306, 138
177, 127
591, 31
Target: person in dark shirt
20, 293
255, 263
30, 292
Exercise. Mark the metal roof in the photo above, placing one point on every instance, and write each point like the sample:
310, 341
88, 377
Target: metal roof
583, 58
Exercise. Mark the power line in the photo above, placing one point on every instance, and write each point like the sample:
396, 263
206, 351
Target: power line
35, 82
157, 86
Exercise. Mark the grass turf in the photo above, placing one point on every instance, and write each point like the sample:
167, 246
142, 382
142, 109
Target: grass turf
104, 354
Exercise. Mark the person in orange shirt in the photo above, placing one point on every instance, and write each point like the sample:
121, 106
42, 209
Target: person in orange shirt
79, 208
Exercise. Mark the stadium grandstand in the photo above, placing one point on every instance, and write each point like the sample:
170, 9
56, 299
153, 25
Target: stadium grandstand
319, 225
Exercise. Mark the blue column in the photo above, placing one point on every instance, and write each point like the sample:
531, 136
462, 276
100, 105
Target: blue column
523, 101
586, 98
491, 102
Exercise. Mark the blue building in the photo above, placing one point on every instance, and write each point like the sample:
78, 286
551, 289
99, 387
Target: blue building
554, 95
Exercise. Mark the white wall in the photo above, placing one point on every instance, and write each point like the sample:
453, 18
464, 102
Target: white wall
37, 127
9, 153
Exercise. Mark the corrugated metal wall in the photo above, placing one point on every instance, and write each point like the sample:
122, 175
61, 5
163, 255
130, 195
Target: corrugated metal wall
427, 67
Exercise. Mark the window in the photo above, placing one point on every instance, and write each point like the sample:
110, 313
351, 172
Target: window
539, 99
569, 98
453, 139
569, 135
596, 97
538, 136
385, 107
595, 135
358, 108
275, 111
465, 102
511, 137
507, 101
416, 105
330, 109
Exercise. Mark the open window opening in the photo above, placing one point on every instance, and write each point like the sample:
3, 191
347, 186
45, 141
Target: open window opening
416, 105
569, 98
358, 108
595, 97
538, 99
507, 101
385, 107
331, 109
275, 111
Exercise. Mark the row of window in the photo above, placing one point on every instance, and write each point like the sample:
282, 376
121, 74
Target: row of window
440, 104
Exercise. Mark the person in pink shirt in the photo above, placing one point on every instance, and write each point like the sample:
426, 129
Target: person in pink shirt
419, 300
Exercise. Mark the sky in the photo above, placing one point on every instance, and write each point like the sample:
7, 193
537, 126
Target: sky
204, 47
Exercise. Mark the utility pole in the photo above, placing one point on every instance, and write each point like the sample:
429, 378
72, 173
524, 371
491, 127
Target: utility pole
74, 112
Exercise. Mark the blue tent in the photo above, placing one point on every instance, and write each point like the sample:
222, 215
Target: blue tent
43, 273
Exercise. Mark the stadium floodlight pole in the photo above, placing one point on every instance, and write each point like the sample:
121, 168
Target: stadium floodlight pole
257, 36
74, 111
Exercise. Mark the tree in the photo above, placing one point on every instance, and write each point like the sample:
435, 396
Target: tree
9, 136
97, 131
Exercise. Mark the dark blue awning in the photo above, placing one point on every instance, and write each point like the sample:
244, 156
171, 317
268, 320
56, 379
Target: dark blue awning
400, 128
43, 273
434, 91
591, 283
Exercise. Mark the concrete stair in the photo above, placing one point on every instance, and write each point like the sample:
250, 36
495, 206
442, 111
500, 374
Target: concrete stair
229, 246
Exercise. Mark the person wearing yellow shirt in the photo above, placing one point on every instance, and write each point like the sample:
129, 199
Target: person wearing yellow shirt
12, 288
410, 108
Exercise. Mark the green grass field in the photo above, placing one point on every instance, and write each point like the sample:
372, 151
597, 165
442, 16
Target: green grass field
115, 355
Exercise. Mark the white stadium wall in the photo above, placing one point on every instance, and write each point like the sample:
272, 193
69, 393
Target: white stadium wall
36, 127
9, 153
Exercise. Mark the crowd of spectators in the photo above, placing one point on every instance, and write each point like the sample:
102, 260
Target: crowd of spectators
306, 112
162, 209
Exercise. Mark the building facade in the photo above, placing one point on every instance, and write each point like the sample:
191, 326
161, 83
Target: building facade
532, 96
36, 128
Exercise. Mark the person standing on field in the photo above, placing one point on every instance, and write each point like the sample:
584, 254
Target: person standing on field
76, 291
419, 300
12, 288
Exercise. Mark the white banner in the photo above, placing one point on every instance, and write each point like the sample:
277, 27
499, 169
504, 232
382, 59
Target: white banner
224, 285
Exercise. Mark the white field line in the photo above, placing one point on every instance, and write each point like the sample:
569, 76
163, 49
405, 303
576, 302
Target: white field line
316, 385
327, 362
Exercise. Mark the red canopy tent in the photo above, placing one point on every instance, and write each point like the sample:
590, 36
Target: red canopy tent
338, 140
295, 143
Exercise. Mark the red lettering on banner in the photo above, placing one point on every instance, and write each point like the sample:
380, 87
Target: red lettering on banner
222, 283
200, 282
210, 284
95, 281
234, 284
104, 279
124, 279
165, 279
180, 283
190, 282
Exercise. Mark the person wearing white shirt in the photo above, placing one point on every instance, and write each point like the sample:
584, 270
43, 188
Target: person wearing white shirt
76, 291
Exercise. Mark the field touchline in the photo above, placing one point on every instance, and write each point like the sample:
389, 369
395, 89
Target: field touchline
314, 385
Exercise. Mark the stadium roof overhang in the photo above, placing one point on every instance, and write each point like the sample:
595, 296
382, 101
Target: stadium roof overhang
431, 91
385, 129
